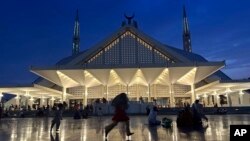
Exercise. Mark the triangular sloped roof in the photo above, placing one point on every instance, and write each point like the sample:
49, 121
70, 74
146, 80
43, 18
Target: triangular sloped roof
96, 48
178, 54
199, 58
68, 59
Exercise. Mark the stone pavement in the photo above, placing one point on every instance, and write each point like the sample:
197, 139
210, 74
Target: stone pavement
37, 129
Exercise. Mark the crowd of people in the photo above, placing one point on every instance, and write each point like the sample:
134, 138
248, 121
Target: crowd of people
22, 111
188, 117
82, 112
191, 116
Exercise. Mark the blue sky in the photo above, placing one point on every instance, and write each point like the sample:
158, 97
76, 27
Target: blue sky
40, 33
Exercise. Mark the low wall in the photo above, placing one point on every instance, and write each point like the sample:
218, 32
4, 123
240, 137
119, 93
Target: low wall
134, 109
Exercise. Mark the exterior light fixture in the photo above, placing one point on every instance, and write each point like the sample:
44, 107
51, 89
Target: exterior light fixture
205, 96
52, 98
17, 97
228, 90
241, 92
215, 93
27, 94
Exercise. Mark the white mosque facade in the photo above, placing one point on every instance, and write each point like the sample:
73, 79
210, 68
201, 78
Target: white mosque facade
130, 61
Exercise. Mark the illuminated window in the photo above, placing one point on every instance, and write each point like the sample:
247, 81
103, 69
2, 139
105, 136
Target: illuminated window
128, 51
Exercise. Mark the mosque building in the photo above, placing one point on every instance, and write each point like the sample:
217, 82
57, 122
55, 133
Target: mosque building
131, 61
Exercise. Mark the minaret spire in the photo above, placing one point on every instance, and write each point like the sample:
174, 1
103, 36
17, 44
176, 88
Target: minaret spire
186, 33
76, 36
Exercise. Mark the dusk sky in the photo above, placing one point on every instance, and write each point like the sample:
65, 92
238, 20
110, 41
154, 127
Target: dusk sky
39, 32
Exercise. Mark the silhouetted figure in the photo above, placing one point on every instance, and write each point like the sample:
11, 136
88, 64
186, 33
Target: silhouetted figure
147, 110
77, 114
21, 114
65, 105
29, 108
120, 102
198, 113
97, 101
47, 110
104, 100
40, 112
153, 133
215, 105
87, 110
84, 113
1, 111
152, 117
185, 117
57, 118
141, 100
91, 108
155, 102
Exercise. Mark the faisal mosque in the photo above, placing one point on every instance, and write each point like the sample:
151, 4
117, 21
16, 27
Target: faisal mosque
133, 62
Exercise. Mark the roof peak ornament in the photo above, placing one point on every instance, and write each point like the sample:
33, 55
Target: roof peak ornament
130, 20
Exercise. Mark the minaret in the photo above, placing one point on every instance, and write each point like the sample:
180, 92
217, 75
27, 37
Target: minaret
76, 36
186, 33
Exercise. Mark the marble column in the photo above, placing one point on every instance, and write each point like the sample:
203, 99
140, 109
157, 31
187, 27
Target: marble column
171, 92
1, 95
149, 93
17, 98
52, 102
85, 96
30, 102
64, 94
107, 92
241, 99
193, 94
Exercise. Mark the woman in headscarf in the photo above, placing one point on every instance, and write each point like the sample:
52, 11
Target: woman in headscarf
120, 102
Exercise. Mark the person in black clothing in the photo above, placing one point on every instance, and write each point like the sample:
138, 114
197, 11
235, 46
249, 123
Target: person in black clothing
1, 111
147, 110
185, 117
198, 113
57, 118
77, 114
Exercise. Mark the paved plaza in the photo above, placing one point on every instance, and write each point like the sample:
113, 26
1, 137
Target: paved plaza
37, 129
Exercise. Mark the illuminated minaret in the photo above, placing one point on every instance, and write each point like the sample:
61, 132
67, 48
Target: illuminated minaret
76, 36
186, 33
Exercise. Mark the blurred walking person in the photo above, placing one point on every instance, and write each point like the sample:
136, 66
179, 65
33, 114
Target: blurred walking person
120, 102
57, 118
